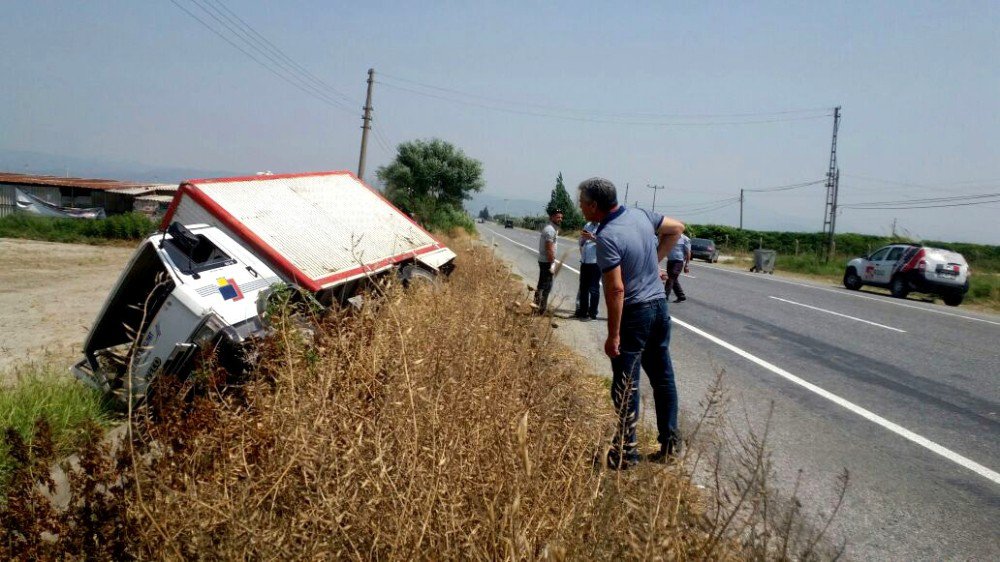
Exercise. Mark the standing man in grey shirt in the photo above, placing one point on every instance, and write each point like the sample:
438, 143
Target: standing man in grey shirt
547, 241
630, 245
677, 262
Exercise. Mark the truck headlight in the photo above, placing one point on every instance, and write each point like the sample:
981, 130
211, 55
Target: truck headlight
212, 325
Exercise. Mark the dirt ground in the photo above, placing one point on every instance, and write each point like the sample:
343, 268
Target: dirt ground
50, 294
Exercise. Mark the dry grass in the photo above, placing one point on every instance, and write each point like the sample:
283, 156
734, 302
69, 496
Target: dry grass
430, 425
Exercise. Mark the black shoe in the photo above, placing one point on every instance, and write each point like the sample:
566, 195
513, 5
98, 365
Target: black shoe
666, 452
680, 299
614, 461
584, 318
594, 317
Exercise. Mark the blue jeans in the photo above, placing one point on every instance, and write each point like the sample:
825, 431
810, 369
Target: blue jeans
645, 342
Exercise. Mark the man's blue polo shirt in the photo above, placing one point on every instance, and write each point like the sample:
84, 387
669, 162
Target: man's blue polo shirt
627, 238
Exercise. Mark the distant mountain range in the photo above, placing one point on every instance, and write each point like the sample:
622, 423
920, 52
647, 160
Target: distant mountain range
498, 205
40, 163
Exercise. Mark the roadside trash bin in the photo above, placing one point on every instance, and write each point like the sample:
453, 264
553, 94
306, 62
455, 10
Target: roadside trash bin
763, 261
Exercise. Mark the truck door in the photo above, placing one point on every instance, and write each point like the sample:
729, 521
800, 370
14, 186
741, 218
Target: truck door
870, 270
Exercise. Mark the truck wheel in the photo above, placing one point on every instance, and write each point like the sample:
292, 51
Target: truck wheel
851, 279
953, 299
898, 287
413, 275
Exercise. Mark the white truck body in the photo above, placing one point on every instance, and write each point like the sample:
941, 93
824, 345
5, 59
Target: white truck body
202, 281
318, 231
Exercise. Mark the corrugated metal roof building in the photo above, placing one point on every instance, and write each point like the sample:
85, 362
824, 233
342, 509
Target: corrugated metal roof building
114, 196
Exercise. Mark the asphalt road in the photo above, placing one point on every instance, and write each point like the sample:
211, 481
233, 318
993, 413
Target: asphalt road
902, 393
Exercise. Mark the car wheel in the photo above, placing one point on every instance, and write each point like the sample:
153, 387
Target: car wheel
898, 288
715, 258
851, 280
953, 300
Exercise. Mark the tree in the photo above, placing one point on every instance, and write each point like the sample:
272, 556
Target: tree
431, 179
572, 218
485, 214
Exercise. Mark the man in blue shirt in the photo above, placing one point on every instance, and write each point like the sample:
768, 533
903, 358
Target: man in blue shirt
630, 245
589, 295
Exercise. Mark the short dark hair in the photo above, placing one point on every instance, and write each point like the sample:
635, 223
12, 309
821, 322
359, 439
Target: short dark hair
600, 191
556, 211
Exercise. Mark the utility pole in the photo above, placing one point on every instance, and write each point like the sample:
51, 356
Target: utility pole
626, 194
832, 184
741, 209
655, 188
366, 125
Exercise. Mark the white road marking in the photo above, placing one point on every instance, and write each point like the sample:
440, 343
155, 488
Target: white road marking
839, 314
577, 271
846, 293
867, 414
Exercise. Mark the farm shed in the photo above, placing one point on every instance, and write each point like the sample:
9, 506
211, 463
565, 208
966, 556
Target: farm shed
114, 196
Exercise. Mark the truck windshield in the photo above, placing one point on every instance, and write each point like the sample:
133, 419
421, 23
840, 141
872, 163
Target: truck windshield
195, 254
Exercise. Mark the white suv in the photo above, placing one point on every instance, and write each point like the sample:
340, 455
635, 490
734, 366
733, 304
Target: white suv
907, 267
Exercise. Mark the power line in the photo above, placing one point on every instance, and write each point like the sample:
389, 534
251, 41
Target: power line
922, 206
695, 206
708, 210
920, 185
928, 200
250, 41
277, 51
785, 187
567, 109
533, 113
305, 88
383, 141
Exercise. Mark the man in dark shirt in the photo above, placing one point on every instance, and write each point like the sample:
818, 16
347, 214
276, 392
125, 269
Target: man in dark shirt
630, 245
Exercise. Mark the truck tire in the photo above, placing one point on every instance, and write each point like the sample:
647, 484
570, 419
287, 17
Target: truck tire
413, 275
851, 279
953, 299
898, 287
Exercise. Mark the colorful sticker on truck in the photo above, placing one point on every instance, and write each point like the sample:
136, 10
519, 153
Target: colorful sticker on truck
229, 289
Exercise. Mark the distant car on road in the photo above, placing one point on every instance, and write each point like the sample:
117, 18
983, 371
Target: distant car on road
903, 268
509, 223
704, 249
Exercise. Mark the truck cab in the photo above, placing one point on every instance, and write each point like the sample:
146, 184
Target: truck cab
185, 290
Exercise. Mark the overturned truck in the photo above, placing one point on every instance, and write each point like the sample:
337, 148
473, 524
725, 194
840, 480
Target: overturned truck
202, 282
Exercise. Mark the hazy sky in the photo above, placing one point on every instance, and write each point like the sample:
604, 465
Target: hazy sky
642, 93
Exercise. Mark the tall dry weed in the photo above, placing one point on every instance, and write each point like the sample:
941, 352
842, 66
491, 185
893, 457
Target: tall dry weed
430, 424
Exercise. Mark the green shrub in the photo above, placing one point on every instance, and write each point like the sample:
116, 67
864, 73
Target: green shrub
130, 226
981, 257
985, 287
43, 392
445, 218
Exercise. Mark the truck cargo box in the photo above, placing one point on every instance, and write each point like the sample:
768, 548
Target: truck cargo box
317, 230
